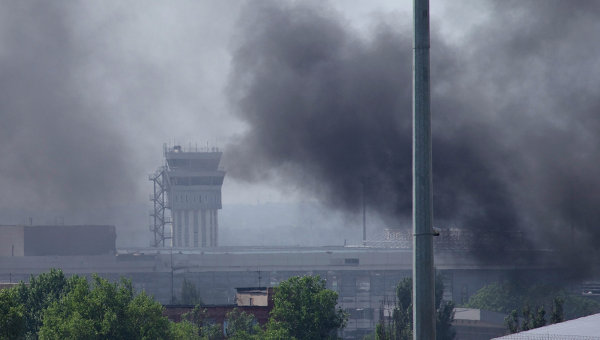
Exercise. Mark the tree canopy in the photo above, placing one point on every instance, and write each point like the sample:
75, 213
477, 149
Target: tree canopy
35, 297
12, 315
504, 297
305, 309
190, 294
53, 306
104, 310
240, 325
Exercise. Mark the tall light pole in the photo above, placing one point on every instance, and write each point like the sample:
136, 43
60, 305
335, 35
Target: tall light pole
423, 275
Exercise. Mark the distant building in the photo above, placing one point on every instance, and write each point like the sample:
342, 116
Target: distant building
260, 296
257, 301
57, 240
477, 324
586, 328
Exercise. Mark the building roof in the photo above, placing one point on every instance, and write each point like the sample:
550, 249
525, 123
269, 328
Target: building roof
471, 315
585, 328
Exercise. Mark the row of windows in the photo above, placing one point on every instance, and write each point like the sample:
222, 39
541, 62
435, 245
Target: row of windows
198, 180
194, 164
195, 197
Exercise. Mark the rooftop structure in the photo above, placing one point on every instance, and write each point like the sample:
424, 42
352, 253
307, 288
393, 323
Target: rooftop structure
57, 240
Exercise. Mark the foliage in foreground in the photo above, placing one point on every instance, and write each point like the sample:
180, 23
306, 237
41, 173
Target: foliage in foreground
303, 309
508, 296
22, 307
103, 310
12, 315
401, 323
306, 309
189, 294
53, 306
526, 305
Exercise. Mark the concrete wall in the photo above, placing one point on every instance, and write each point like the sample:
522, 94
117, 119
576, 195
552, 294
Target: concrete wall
11, 241
67, 240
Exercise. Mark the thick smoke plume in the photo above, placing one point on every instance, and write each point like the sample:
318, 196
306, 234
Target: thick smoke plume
515, 106
60, 149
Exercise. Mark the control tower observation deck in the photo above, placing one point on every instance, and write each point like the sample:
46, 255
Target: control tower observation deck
193, 189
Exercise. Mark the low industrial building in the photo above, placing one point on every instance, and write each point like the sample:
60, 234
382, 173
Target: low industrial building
257, 301
585, 328
478, 324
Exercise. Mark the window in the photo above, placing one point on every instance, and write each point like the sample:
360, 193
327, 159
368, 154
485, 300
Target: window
351, 261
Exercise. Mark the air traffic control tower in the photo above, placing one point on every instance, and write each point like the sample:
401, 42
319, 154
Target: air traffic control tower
192, 182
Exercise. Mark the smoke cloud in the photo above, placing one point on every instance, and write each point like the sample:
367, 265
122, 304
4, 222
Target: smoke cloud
515, 117
60, 149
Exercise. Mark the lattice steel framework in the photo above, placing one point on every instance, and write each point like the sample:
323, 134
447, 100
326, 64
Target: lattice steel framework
159, 217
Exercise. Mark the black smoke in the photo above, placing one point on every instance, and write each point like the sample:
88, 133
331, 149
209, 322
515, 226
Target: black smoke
515, 117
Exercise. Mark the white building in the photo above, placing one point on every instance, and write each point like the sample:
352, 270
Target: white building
194, 182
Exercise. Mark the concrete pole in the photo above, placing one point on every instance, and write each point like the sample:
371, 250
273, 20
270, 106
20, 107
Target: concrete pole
424, 312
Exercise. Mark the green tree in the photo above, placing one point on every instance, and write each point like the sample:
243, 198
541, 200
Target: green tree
527, 323
512, 321
103, 310
380, 332
507, 296
184, 330
12, 315
443, 325
240, 324
402, 317
207, 329
557, 314
496, 297
305, 309
577, 306
445, 313
212, 331
275, 331
190, 294
540, 317
36, 296
401, 324
144, 317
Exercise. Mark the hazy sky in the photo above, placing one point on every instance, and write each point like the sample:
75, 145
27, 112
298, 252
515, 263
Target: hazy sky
91, 91
121, 79
307, 98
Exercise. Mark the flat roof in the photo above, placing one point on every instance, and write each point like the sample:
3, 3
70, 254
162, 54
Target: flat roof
585, 328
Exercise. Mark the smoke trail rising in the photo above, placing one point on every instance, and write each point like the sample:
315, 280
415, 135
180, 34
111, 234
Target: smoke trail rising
514, 107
